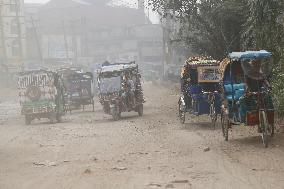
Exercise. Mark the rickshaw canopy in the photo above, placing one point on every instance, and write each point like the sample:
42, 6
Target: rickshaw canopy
250, 55
202, 69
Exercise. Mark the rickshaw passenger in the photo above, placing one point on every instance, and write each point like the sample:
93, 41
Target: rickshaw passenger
184, 79
129, 90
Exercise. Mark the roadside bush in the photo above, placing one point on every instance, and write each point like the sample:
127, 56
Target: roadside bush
278, 90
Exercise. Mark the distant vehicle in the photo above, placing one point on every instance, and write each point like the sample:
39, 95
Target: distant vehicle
114, 92
173, 73
151, 71
79, 88
41, 95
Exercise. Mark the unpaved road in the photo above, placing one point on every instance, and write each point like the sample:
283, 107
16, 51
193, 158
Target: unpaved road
90, 151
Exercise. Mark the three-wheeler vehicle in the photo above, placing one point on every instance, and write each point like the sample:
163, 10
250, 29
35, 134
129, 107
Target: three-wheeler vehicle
79, 88
246, 92
200, 88
115, 93
41, 95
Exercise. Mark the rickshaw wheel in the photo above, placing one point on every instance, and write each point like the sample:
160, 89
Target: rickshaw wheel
181, 114
213, 115
272, 130
93, 104
225, 125
266, 131
52, 118
58, 118
140, 110
116, 114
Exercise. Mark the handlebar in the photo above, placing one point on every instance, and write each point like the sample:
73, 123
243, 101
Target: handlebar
263, 90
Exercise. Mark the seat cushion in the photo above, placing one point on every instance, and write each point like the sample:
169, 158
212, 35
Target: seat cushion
236, 90
195, 89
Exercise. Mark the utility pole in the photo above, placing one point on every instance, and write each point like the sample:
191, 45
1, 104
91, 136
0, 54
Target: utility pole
65, 41
37, 40
74, 41
166, 45
2, 33
19, 30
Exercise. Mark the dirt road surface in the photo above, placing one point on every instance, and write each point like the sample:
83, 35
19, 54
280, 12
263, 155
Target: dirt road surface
90, 151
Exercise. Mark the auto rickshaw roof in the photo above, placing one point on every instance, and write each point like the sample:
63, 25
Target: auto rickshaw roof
35, 72
118, 67
201, 62
250, 55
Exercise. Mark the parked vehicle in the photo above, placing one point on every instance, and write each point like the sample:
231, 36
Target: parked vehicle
79, 88
200, 88
115, 93
246, 92
41, 95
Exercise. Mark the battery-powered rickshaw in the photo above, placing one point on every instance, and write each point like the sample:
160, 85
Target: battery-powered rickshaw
120, 89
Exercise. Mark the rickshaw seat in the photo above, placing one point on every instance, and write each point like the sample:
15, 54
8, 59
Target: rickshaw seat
195, 89
237, 90
196, 92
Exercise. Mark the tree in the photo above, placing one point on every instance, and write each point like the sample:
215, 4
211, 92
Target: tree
210, 27
262, 28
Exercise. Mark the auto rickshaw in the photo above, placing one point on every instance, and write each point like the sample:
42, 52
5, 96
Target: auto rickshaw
114, 94
79, 88
200, 79
246, 92
41, 95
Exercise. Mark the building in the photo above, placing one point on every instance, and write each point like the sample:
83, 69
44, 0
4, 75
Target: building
12, 33
86, 32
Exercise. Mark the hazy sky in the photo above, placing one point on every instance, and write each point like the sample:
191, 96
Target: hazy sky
129, 2
36, 1
152, 15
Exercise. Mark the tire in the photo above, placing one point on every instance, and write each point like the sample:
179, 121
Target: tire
222, 122
213, 115
115, 114
59, 118
266, 131
272, 127
93, 104
28, 120
33, 93
181, 114
225, 122
53, 119
140, 110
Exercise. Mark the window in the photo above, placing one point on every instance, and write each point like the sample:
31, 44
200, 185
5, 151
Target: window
14, 26
13, 5
16, 51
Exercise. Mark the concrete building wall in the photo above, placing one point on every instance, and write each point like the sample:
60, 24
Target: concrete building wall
13, 32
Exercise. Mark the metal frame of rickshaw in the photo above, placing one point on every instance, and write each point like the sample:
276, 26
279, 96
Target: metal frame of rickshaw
264, 117
211, 95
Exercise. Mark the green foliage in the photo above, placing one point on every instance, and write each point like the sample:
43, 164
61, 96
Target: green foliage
211, 27
217, 27
278, 91
262, 30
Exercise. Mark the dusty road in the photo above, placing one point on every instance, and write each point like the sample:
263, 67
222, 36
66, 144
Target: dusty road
90, 151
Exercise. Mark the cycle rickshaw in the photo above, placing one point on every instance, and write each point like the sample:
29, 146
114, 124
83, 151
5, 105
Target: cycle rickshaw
246, 92
200, 88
